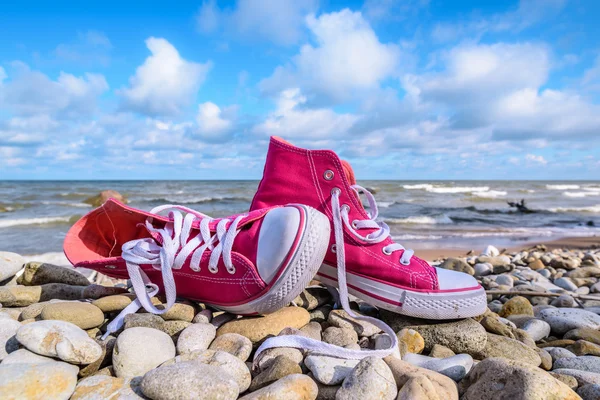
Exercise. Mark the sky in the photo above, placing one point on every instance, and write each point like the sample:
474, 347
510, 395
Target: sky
403, 89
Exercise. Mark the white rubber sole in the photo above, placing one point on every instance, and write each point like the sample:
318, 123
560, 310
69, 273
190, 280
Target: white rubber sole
428, 305
300, 270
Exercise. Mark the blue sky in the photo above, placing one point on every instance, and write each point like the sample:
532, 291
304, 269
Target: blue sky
403, 89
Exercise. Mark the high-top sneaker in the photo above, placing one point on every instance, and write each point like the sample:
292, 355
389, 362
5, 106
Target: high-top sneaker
361, 253
252, 263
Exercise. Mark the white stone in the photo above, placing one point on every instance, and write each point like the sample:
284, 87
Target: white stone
537, 329
59, 339
54, 381
329, 370
370, 379
562, 320
582, 363
505, 280
583, 377
196, 337
566, 284
491, 251
24, 356
10, 264
8, 342
559, 352
483, 269
455, 367
140, 349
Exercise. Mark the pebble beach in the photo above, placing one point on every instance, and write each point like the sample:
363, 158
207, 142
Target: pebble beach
539, 338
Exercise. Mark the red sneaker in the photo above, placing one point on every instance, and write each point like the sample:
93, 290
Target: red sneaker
374, 268
252, 263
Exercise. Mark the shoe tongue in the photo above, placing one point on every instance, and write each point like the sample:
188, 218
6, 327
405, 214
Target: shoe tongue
349, 172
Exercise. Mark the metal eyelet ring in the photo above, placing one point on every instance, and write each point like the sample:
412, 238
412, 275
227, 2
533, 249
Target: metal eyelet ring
403, 263
333, 248
354, 224
195, 269
213, 271
231, 271
336, 191
347, 208
386, 251
328, 175
110, 266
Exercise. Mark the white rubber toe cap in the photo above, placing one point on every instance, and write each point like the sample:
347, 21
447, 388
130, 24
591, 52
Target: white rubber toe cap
277, 235
451, 280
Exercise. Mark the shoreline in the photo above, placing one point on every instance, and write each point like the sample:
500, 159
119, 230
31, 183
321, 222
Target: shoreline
578, 242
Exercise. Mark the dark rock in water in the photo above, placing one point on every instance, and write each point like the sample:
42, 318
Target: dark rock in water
103, 196
590, 223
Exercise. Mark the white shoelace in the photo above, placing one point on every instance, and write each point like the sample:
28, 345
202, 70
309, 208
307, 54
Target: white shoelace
175, 249
341, 218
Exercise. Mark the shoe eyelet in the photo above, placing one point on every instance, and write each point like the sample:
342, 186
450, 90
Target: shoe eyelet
213, 271
347, 208
333, 248
195, 269
386, 251
336, 190
231, 271
403, 263
354, 223
110, 266
328, 175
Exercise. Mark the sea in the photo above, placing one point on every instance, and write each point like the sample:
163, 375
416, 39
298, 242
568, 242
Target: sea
36, 215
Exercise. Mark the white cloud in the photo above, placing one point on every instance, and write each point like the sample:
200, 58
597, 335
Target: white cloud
3, 75
392, 9
31, 92
213, 124
536, 159
348, 56
165, 83
278, 21
292, 121
90, 48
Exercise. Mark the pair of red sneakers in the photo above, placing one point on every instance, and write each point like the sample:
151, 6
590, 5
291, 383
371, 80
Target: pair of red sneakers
306, 221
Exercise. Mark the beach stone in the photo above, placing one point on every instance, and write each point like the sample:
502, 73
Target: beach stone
140, 349
557, 343
483, 269
59, 339
457, 264
107, 387
493, 325
24, 356
311, 298
582, 363
279, 368
439, 351
259, 328
189, 380
518, 305
585, 272
10, 264
291, 387
562, 320
455, 367
233, 343
84, 315
204, 316
588, 334
143, 320
583, 347
566, 284
404, 372
499, 378
537, 329
566, 379
370, 379
340, 336
35, 310
329, 370
410, 341
174, 328
495, 306
563, 301
500, 346
326, 392
104, 360
536, 265
565, 263
341, 319
546, 358
559, 352
23, 296
8, 341
312, 330
228, 362
178, 312
54, 381
321, 314
496, 261
196, 337
419, 388
266, 358
589, 392
464, 336
583, 377
37, 273
115, 303
505, 280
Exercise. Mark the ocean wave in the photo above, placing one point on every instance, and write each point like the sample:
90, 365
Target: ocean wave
419, 186
385, 204
594, 189
399, 238
458, 189
421, 220
194, 200
581, 194
562, 187
65, 204
7, 223
490, 194
590, 209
